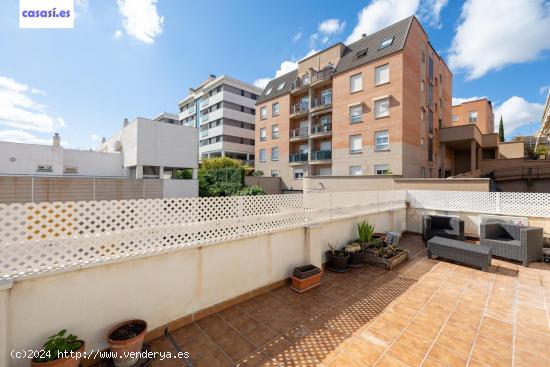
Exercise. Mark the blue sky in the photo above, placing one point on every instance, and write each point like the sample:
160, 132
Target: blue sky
132, 58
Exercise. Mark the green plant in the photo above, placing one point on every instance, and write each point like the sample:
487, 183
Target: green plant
332, 246
58, 344
251, 190
366, 231
541, 150
258, 173
501, 130
184, 174
220, 162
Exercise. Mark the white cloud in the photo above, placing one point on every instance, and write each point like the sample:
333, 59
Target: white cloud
141, 19
95, 137
331, 26
297, 37
493, 34
18, 110
117, 34
517, 112
544, 89
285, 67
430, 11
457, 100
379, 14
20, 136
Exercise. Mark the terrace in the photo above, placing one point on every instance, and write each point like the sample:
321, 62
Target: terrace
210, 276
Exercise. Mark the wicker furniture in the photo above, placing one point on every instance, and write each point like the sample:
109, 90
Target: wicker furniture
513, 242
459, 251
442, 226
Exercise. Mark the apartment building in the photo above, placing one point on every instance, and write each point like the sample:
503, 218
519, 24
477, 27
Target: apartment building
543, 136
479, 112
373, 107
223, 109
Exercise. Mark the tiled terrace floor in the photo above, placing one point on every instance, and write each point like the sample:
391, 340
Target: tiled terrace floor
425, 312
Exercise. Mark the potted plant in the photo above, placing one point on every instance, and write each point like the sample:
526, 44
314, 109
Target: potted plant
337, 260
386, 254
367, 237
306, 277
56, 351
542, 151
355, 252
126, 339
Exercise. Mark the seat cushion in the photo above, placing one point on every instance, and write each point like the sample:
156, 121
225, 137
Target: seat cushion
503, 240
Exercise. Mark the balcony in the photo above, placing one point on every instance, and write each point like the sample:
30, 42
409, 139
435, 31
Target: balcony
299, 110
204, 103
300, 133
322, 78
321, 155
321, 130
204, 118
298, 158
300, 86
234, 309
322, 104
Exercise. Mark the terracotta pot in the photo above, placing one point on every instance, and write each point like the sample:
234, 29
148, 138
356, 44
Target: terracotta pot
122, 347
63, 362
337, 263
302, 285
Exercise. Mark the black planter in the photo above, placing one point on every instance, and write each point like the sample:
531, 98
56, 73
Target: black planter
337, 262
305, 271
355, 259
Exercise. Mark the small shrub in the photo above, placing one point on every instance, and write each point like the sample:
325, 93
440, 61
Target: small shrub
366, 231
251, 190
258, 173
184, 174
58, 344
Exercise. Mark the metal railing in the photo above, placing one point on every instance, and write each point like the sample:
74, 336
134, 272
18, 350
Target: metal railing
204, 102
321, 128
520, 172
322, 75
321, 155
322, 102
298, 108
301, 132
297, 157
299, 83
204, 118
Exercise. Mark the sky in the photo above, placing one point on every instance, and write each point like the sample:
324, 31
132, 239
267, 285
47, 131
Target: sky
128, 58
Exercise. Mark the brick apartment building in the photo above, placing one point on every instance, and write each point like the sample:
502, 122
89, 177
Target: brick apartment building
369, 108
478, 112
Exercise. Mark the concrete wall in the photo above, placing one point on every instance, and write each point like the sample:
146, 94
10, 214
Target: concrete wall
271, 185
23, 159
514, 149
162, 288
180, 188
368, 183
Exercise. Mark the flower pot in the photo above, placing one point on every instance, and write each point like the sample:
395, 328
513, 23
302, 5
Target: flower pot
124, 338
337, 262
63, 362
305, 278
355, 259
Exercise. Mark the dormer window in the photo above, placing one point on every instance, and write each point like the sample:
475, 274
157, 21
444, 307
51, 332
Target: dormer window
268, 91
281, 86
361, 53
385, 43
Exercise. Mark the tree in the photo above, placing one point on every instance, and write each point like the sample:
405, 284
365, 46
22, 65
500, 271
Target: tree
224, 177
501, 131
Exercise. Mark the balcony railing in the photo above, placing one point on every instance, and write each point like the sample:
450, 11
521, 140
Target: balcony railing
204, 118
297, 157
301, 132
299, 83
191, 110
204, 133
324, 74
298, 108
321, 155
322, 102
321, 128
204, 102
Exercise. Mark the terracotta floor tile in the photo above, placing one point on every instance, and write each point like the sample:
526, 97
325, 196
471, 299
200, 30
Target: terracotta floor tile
260, 335
424, 329
366, 353
277, 347
381, 339
213, 359
431, 362
418, 343
405, 354
280, 324
531, 341
464, 333
264, 314
244, 323
255, 359
186, 333
161, 344
198, 347
385, 327
236, 347
446, 356
343, 360
489, 358
504, 350
214, 326
458, 346
389, 361
527, 358
230, 313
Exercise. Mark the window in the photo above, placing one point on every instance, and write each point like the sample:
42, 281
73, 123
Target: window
44, 168
381, 169
422, 86
382, 74
275, 153
268, 91
275, 109
431, 68
73, 170
326, 97
262, 155
263, 134
361, 53
472, 116
430, 150
263, 113
355, 83
423, 56
325, 171
422, 144
382, 108
356, 114
274, 131
274, 173
281, 86
305, 79
355, 171
298, 173
422, 171
455, 118
385, 43
355, 144
422, 113
381, 140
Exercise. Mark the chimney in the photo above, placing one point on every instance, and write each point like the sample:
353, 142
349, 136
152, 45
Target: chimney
191, 90
363, 35
56, 140
125, 123
103, 140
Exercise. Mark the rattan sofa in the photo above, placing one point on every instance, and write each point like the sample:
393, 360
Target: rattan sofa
442, 226
512, 241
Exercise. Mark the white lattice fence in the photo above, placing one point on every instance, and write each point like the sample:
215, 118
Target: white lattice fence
504, 203
36, 238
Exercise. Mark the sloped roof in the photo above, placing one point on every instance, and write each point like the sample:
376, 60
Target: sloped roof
288, 78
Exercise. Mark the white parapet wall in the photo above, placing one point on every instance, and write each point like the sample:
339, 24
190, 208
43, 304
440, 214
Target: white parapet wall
180, 188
